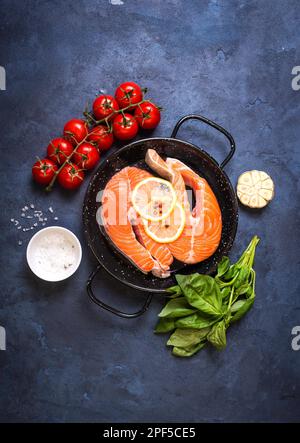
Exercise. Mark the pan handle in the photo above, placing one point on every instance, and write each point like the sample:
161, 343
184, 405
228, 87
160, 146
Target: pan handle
214, 125
110, 308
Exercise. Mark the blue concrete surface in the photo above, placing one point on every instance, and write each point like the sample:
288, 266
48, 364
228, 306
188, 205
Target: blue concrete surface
231, 61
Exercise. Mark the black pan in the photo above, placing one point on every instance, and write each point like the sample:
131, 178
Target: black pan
134, 154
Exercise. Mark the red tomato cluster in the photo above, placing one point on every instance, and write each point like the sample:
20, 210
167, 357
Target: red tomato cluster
126, 111
82, 142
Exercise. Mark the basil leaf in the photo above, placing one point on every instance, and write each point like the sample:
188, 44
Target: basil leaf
195, 321
175, 291
217, 335
242, 309
202, 292
242, 277
225, 293
165, 325
223, 266
177, 307
237, 305
187, 351
187, 337
243, 289
251, 288
250, 294
230, 274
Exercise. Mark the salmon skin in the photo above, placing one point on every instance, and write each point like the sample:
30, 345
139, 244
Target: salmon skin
126, 230
202, 232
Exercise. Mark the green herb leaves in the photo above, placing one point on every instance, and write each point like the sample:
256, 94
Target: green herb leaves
202, 308
187, 342
202, 292
217, 335
177, 307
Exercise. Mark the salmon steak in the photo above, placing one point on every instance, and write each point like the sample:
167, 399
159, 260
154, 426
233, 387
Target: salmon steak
201, 234
126, 230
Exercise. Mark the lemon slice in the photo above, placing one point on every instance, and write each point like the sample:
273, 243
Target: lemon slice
169, 229
154, 198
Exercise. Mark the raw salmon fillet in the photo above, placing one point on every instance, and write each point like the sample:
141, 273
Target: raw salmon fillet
126, 230
202, 233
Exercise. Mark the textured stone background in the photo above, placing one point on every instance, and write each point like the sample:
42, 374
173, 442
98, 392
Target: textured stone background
66, 360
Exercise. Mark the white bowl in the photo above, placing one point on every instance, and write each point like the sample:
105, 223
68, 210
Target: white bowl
54, 253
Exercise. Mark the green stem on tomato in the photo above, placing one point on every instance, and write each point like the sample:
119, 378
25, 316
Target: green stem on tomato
96, 122
50, 186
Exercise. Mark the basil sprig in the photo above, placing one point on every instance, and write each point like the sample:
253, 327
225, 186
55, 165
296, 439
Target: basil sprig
201, 308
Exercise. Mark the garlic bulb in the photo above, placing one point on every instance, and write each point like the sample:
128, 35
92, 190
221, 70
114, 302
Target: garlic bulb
255, 189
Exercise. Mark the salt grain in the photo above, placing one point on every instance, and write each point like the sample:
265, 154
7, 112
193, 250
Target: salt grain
36, 214
54, 255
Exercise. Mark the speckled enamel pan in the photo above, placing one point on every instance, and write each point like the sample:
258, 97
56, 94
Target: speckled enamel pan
133, 155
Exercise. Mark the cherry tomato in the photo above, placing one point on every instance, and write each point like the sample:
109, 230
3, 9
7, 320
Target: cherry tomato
101, 137
86, 156
104, 106
71, 176
59, 149
43, 171
75, 130
147, 115
125, 127
128, 93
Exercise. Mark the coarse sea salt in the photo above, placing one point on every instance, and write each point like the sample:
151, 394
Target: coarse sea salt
30, 212
54, 255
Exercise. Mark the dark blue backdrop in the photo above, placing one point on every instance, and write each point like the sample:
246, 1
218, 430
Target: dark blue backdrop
229, 60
